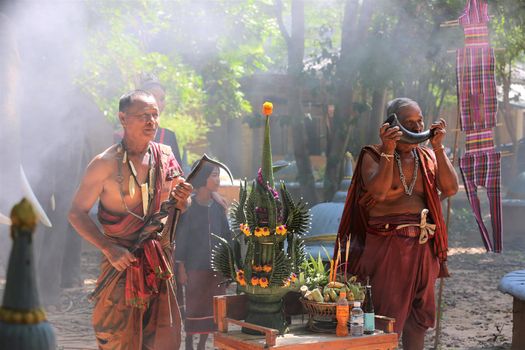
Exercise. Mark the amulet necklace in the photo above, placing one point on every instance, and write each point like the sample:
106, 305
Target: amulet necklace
410, 188
146, 189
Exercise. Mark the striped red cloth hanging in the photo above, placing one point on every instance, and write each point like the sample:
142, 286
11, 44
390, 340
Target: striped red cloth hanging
483, 170
475, 70
479, 141
480, 166
478, 104
476, 11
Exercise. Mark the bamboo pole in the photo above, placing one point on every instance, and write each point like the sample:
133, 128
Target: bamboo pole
449, 208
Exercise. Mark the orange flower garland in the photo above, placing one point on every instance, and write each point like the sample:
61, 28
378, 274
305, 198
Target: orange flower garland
263, 282
262, 231
255, 281
281, 230
240, 278
245, 229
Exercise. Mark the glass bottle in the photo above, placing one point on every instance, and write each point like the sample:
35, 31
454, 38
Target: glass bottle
368, 309
356, 320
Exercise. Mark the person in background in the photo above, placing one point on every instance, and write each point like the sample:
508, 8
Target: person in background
164, 136
168, 137
194, 244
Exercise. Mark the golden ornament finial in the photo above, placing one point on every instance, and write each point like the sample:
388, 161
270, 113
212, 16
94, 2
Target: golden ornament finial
23, 216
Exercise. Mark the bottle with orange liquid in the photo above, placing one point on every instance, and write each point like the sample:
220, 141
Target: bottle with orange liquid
342, 314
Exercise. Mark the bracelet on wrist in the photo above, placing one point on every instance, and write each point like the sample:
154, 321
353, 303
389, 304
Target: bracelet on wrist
387, 156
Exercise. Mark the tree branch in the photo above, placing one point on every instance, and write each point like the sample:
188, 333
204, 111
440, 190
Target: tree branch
278, 5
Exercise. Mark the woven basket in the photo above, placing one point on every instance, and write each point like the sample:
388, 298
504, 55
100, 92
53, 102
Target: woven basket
321, 311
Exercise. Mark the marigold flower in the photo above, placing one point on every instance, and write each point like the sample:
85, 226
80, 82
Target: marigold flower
267, 268
240, 278
265, 231
267, 108
293, 277
263, 282
258, 232
245, 229
257, 268
287, 282
281, 230
255, 281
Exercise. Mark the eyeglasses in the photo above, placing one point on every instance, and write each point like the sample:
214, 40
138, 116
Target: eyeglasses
144, 117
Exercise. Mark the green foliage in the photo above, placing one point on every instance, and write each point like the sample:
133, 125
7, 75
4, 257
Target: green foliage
201, 70
222, 258
298, 220
297, 251
237, 216
249, 258
508, 32
288, 203
224, 98
281, 269
251, 218
118, 58
314, 272
237, 254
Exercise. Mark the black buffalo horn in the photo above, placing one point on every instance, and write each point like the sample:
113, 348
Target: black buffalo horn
408, 136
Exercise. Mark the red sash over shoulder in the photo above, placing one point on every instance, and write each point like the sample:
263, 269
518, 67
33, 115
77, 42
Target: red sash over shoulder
354, 220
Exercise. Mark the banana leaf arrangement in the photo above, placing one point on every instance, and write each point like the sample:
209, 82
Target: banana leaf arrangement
324, 285
264, 218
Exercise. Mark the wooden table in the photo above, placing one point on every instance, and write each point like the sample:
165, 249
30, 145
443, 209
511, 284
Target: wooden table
229, 309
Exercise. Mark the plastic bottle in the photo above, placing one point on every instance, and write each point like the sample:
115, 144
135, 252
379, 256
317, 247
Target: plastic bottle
368, 309
356, 320
342, 315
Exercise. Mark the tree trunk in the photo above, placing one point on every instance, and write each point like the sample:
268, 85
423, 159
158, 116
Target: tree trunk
377, 115
338, 139
295, 45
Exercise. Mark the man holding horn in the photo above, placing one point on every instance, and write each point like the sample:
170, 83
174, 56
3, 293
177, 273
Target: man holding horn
394, 220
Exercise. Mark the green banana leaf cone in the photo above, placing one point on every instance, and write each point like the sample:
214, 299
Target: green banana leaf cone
270, 223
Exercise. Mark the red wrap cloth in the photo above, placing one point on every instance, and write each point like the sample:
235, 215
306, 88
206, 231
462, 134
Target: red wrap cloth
143, 278
403, 278
355, 217
155, 323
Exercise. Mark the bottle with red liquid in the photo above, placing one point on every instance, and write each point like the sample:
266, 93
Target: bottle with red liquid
342, 314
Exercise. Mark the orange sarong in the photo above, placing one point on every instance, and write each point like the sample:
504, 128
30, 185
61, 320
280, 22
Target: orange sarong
153, 322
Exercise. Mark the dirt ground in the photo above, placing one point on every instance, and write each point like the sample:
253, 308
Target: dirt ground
475, 314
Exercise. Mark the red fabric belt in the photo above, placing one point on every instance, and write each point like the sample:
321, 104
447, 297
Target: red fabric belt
383, 230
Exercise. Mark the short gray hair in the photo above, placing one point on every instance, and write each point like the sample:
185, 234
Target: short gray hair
396, 104
127, 99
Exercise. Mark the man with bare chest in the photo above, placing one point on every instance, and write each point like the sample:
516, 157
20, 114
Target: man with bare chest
137, 310
394, 220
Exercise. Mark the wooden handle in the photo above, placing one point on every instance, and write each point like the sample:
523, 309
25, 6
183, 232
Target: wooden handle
270, 334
